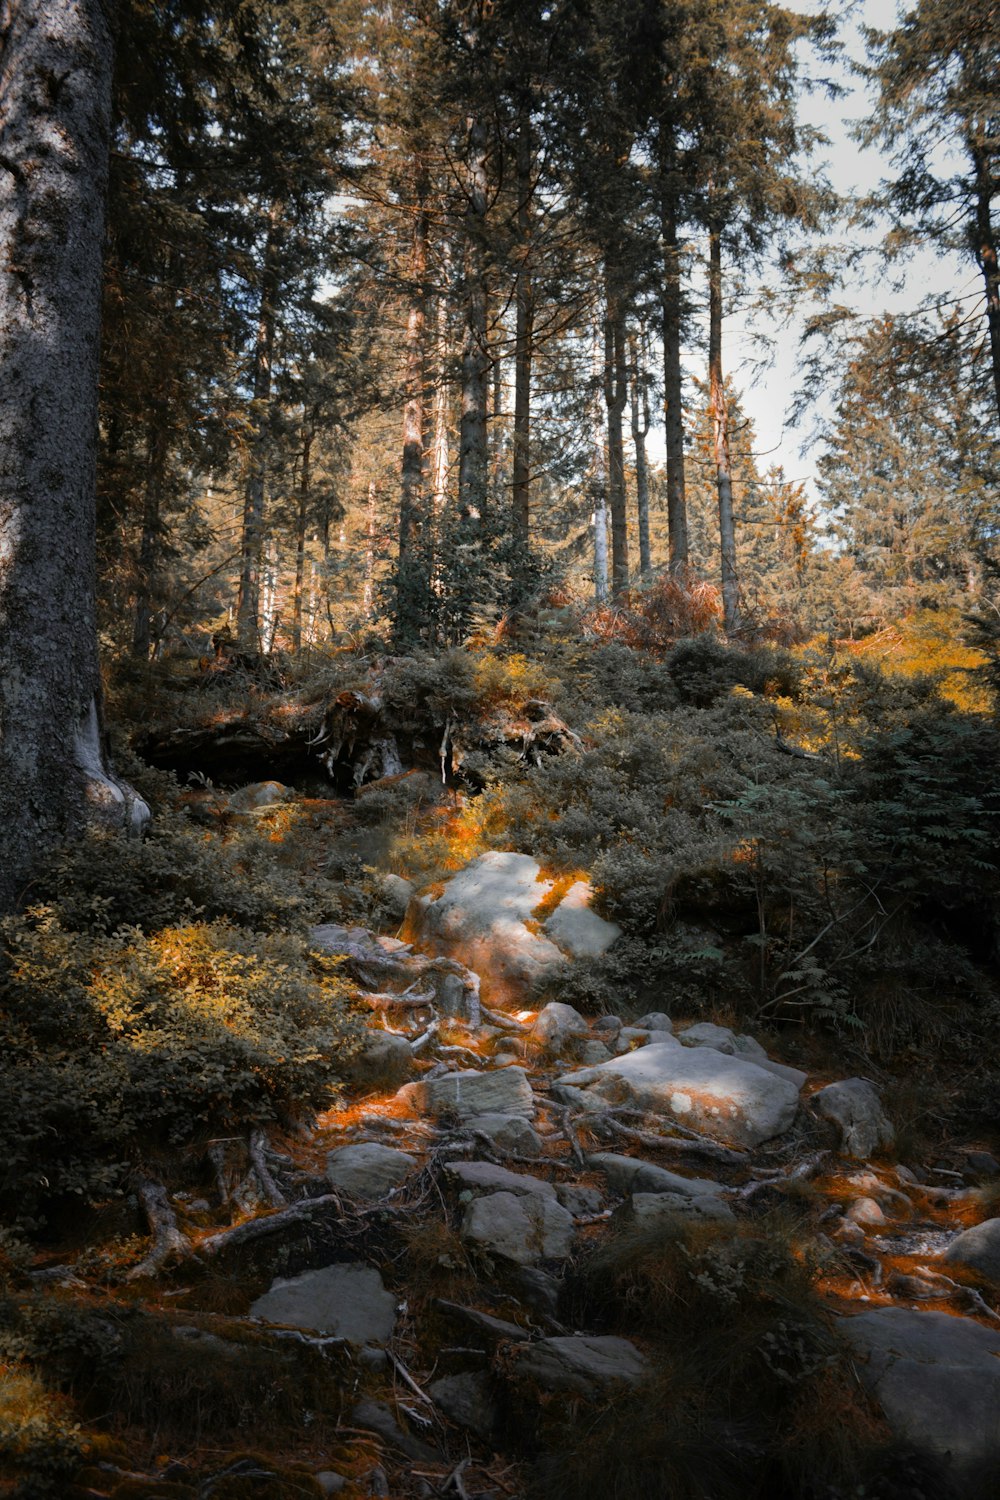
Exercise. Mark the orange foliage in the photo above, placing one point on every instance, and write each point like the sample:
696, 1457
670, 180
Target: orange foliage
655, 616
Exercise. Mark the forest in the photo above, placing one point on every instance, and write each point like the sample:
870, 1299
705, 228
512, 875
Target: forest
499, 895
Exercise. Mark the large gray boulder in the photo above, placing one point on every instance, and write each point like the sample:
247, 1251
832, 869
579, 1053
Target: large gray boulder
368, 1169
468, 1093
854, 1107
384, 1062
587, 1365
486, 918
734, 1044
937, 1378
978, 1248
524, 1228
556, 1025
728, 1098
347, 1301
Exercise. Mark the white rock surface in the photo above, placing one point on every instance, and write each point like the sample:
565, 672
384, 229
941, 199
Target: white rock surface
727, 1098
733, 1044
577, 930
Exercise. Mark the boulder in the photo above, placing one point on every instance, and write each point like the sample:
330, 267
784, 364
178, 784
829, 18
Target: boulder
510, 1133
347, 1301
725, 1097
655, 1020
854, 1107
485, 1177
937, 1378
589, 1052
521, 1227
577, 930
556, 1025
258, 795
376, 1416
384, 1062
368, 1170
978, 1248
707, 1034
468, 1093
468, 1400
396, 894
485, 917
580, 1201
588, 1365
648, 1209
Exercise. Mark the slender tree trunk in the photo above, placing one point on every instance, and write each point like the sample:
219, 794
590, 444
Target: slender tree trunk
524, 334
302, 512
598, 472
472, 454
439, 446
368, 595
412, 584
671, 305
149, 542
640, 431
986, 254
720, 439
615, 397
55, 64
248, 602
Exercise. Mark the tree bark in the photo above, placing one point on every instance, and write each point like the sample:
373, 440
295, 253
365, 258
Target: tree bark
248, 603
640, 431
673, 413
615, 397
56, 65
149, 543
986, 255
472, 457
720, 439
598, 473
524, 295
301, 516
412, 582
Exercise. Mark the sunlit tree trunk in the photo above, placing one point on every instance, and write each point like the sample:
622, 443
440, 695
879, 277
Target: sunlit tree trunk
671, 307
248, 602
412, 581
720, 439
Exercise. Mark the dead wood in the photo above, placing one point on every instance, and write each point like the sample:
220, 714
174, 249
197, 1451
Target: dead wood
168, 1241
269, 1187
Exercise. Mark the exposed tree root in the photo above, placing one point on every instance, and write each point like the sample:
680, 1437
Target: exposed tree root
168, 1241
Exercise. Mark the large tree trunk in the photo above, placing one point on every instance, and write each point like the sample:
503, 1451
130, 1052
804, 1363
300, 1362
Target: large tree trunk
671, 305
986, 254
615, 396
640, 431
248, 604
55, 63
720, 439
598, 471
524, 296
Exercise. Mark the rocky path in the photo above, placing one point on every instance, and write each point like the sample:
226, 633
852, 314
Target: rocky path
424, 1232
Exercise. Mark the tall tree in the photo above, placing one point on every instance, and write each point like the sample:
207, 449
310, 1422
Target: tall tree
56, 63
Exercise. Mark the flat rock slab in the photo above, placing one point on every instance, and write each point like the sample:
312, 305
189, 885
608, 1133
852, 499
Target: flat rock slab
733, 1044
978, 1248
484, 1177
348, 1301
524, 1228
937, 1378
577, 930
501, 1091
649, 1209
510, 1133
587, 1365
368, 1169
728, 1098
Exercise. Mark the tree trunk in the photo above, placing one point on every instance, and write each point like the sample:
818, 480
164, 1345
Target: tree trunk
524, 333
368, 595
986, 255
412, 583
248, 603
598, 473
149, 543
472, 456
615, 396
671, 306
640, 431
301, 516
720, 439
56, 64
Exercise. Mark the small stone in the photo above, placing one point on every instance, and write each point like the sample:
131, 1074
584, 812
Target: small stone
655, 1020
396, 895
368, 1170
982, 1165
579, 1201
258, 795
523, 1228
854, 1107
330, 1482
510, 1133
375, 1416
555, 1024
608, 1024
866, 1212
384, 1062
590, 1052
468, 1400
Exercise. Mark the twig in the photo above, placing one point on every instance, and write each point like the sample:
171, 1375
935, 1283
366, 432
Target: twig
570, 1134
404, 1372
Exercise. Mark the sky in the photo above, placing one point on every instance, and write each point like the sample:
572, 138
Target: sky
851, 169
